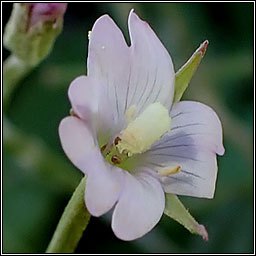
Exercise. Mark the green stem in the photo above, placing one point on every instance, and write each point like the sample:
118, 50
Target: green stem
72, 223
14, 70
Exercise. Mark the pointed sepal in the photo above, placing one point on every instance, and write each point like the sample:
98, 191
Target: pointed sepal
186, 72
177, 211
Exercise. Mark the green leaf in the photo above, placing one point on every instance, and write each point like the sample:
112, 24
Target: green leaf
185, 73
176, 210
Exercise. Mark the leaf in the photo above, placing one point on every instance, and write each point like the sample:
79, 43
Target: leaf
176, 210
185, 73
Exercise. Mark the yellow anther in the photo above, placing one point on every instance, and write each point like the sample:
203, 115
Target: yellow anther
169, 170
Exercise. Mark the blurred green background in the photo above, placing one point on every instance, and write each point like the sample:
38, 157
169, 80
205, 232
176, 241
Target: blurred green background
36, 189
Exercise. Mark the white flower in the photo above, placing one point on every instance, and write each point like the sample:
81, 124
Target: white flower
127, 136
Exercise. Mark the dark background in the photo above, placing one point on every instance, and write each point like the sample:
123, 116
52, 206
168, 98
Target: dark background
34, 196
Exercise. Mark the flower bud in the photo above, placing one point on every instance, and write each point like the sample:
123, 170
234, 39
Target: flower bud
41, 12
32, 29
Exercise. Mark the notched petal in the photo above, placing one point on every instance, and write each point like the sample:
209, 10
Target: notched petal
104, 184
139, 208
83, 96
152, 73
77, 140
192, 143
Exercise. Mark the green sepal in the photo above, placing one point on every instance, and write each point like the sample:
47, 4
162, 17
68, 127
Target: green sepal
176, 210
185, 73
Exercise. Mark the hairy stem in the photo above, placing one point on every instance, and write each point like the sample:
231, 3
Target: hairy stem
72, 223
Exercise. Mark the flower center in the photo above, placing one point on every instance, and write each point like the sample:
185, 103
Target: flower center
139, 135
146, 129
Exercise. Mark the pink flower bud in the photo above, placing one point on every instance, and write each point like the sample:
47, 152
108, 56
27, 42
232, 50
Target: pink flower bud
44, 12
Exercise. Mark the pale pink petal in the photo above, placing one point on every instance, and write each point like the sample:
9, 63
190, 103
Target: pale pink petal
140, 206
88, 99
152, 78
77, 140
192, 143
83, 95
108, 60
104, 181
103, 185
136, 75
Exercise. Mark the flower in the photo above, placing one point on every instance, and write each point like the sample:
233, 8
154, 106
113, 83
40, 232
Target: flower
129, 138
